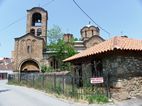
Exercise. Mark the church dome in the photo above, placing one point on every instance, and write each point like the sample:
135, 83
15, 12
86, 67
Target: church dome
88, 31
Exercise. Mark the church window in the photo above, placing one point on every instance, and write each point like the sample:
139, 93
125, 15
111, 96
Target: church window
85, 33
36, 19
39, 32
92, 32
32, 31
29, 49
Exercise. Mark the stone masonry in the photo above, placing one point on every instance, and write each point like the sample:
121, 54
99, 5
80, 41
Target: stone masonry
125, 76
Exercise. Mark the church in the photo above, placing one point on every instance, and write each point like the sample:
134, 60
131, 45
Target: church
30, 50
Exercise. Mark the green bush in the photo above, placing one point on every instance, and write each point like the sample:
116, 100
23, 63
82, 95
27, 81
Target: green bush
45, 68
98, 98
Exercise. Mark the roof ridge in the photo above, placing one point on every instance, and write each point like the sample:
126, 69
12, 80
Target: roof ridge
29, 34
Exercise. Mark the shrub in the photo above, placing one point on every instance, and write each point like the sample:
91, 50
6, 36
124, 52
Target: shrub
98, 98
58, 89
45, 68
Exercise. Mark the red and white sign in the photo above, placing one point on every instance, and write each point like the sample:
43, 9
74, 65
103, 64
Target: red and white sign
97, 80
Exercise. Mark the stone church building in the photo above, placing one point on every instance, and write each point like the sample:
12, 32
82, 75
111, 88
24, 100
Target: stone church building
30, 50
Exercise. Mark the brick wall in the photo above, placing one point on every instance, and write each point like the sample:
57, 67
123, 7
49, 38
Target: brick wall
21, 51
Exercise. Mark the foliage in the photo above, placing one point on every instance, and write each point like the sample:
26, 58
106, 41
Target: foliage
76, 39
62, 50
59, 47
98, 98
54, 34
44, 68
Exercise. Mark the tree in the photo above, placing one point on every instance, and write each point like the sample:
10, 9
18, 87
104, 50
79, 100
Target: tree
76, 39
54, 34
44, 68
61, 48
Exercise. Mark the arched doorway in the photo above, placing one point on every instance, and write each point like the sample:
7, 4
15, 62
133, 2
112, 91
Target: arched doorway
29, 66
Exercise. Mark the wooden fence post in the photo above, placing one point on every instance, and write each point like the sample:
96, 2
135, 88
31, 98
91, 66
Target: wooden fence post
54, 81
43, 80
63, 83
33, 80
72, 85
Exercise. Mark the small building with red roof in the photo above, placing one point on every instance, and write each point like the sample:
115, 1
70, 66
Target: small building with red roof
118, 60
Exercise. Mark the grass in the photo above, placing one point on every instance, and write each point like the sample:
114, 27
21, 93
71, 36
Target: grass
98, 98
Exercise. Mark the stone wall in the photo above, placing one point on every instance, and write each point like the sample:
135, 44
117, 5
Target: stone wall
93, 41
125, 76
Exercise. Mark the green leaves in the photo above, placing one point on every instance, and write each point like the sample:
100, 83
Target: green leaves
44, 68
62, 50
99, 98
54, 34
59, 47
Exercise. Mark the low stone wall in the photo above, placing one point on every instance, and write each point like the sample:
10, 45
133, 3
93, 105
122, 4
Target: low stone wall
126, 88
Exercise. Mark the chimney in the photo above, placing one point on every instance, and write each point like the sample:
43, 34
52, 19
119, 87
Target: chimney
67, 37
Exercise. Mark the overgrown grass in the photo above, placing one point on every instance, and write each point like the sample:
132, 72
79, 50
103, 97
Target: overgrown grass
98, 98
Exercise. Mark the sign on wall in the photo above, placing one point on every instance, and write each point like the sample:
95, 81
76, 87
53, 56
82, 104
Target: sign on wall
96, 80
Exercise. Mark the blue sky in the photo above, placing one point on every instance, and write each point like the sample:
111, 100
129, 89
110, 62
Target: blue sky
116, 16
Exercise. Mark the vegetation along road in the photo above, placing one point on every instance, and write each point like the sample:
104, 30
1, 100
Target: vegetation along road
11, 95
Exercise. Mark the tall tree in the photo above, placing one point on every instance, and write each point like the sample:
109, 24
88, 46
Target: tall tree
54, 34
61, 48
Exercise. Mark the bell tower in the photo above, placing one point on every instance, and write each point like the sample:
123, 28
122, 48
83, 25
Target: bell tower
37, 22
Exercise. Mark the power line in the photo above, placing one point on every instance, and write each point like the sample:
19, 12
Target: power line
91, 18
14, 22
18, 20
48, 3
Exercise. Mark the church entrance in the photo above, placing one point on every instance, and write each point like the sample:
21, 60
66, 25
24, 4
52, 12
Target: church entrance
29, 66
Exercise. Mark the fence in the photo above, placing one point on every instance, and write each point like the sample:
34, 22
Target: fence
61, 84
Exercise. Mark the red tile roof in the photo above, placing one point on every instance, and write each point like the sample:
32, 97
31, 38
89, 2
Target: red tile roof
117, 42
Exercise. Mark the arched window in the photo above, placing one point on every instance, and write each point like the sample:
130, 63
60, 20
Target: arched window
85, 33
29, 49
32, 31
92, 32
36, 19
39, 32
